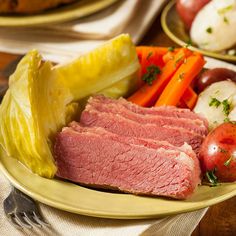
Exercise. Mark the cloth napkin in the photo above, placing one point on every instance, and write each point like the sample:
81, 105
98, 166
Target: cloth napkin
71, 39
68, 224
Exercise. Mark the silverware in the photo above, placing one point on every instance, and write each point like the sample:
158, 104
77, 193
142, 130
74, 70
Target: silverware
22, 210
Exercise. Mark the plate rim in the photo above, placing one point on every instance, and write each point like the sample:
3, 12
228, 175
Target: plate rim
52, 16
103, 213
172, 36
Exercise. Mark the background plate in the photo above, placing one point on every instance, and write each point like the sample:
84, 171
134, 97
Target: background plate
74, 198
65, 13
174, 28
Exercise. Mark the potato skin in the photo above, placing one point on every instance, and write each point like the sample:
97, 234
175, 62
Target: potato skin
187, 10
211, 76
218, 152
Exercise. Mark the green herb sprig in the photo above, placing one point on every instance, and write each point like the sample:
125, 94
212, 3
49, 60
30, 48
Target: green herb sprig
150, 75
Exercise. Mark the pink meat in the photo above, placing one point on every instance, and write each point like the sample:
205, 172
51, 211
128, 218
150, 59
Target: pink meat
84, 157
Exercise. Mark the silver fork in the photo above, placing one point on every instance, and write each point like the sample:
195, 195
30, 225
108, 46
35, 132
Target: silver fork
22, 210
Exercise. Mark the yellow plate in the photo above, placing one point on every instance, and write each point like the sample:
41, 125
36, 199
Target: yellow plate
74, 198
174, 28
61, 14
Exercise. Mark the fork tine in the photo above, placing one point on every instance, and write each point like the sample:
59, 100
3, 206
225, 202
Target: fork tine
39, 219
31, 220
13, 221
21, 220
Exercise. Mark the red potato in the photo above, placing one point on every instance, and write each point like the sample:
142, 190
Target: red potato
218, 152
187, 10
214, 75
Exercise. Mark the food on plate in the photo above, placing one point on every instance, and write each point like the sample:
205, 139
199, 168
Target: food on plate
41, 99
214, 75
113, 142
111, 149
187, 10
173, 72
218, 154
217, 103
29, 6
214, 27
181, 80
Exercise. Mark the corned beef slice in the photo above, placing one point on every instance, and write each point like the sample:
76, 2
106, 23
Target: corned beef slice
100, 104
151, 143
84, 156
118, 124
167, 111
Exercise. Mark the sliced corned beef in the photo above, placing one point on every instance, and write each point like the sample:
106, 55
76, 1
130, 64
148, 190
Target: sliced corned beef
151, 143
120, 125
112, 106
86, 157
168, 111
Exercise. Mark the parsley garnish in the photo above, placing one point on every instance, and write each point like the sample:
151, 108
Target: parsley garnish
214, 102
226, 20
181, 76
222, 150
226, 119
150, 75
209, 30
225, 9
211, 177
171, 49
226, 107
149, 55
227, 163
188, 43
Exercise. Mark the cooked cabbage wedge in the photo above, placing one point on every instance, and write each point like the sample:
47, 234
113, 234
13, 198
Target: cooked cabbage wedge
41, 99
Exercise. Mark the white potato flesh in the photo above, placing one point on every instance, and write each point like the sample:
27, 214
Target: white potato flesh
220, 91
214, 27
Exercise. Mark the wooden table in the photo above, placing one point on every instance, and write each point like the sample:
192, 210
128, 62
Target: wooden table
221, 218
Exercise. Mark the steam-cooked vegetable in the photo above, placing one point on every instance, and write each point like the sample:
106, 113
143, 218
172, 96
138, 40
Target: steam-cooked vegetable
214, 75
34, 107
217, 102
218, 153
214, 27
41, 98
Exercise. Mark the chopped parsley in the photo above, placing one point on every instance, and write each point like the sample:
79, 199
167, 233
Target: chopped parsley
226, 119
171, 49
226, 20
149, 55
225, 9
150, 75
211, 177
181, 76
209, 30
226, 107
227, 163
214, 102
222, 150
188, 43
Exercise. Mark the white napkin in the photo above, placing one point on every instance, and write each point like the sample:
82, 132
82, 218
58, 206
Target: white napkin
68, 224
68, 40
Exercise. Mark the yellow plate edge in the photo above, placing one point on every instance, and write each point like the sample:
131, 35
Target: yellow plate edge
182, 43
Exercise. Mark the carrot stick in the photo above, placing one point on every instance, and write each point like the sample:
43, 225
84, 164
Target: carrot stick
168, 56
189, 98
181, 80
147, 94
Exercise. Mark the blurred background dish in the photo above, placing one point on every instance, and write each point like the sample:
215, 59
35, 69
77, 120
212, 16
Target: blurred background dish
76, 9
175, 29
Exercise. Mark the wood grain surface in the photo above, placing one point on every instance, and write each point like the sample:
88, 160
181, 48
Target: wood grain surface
220, 219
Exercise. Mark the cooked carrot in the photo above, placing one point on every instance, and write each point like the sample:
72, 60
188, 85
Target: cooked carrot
168, 56
181, 80
148, 94
189, 98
